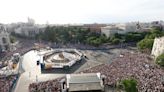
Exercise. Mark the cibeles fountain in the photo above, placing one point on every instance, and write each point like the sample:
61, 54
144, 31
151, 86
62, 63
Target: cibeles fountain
61, 58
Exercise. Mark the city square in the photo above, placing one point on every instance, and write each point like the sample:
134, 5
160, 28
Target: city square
32, 71
82, 46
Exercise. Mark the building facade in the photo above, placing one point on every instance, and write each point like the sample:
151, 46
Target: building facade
109, 30
4, 39
85, 82
125, 28
113, 29
27, 31
158, 47
158, 24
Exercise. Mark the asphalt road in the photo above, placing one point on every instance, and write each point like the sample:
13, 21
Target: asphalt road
32, 72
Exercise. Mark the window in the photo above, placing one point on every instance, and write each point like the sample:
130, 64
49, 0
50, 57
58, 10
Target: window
6, 47
0, 48
4, 40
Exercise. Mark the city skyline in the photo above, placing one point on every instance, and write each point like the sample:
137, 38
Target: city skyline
81, 11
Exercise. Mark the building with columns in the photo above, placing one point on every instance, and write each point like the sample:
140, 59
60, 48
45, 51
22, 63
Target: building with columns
4, 39
158, 47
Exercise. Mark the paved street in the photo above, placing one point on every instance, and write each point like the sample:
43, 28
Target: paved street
32, 72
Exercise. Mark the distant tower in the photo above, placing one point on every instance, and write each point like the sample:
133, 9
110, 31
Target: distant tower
47, 23
31, 21
138, 26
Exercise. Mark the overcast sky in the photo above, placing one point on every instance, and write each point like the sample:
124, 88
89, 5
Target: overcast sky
81, 11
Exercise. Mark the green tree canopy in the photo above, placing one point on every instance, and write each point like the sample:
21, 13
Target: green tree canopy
160, 60
129, 85
145, 44
12, 39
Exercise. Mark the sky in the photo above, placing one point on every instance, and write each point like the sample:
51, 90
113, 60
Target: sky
81, 11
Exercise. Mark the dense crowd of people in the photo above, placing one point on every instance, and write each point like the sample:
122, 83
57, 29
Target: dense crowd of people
133, 65
23, 47
3, 64
150, 77
27, 44
48, 86
90, 47
6, 83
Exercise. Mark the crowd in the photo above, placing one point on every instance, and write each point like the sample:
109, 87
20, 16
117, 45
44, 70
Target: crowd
133, 65
150, 77
26, 45
48, 86
6, 83
23, 47
3, 64
69, 45
89, 47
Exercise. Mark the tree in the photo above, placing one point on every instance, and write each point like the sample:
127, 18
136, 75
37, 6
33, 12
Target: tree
94, 41
116, 41
160, 60
133, 37
145, 44
12, 39
154, 33
103, 38
129, 85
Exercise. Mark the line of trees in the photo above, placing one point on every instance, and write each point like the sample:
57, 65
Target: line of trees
146, 44
128, 37
160, 60
72, 34
60, 34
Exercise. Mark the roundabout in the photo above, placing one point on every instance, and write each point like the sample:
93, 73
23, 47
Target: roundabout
61, 58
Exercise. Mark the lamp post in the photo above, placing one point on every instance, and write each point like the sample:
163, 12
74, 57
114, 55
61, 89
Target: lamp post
20, 64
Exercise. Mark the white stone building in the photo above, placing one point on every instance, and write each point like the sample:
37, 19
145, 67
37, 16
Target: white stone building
158, 47
118, 28
84, 82
109, 30
125, 28
158, 24
131, 27
4, 39
28, 31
